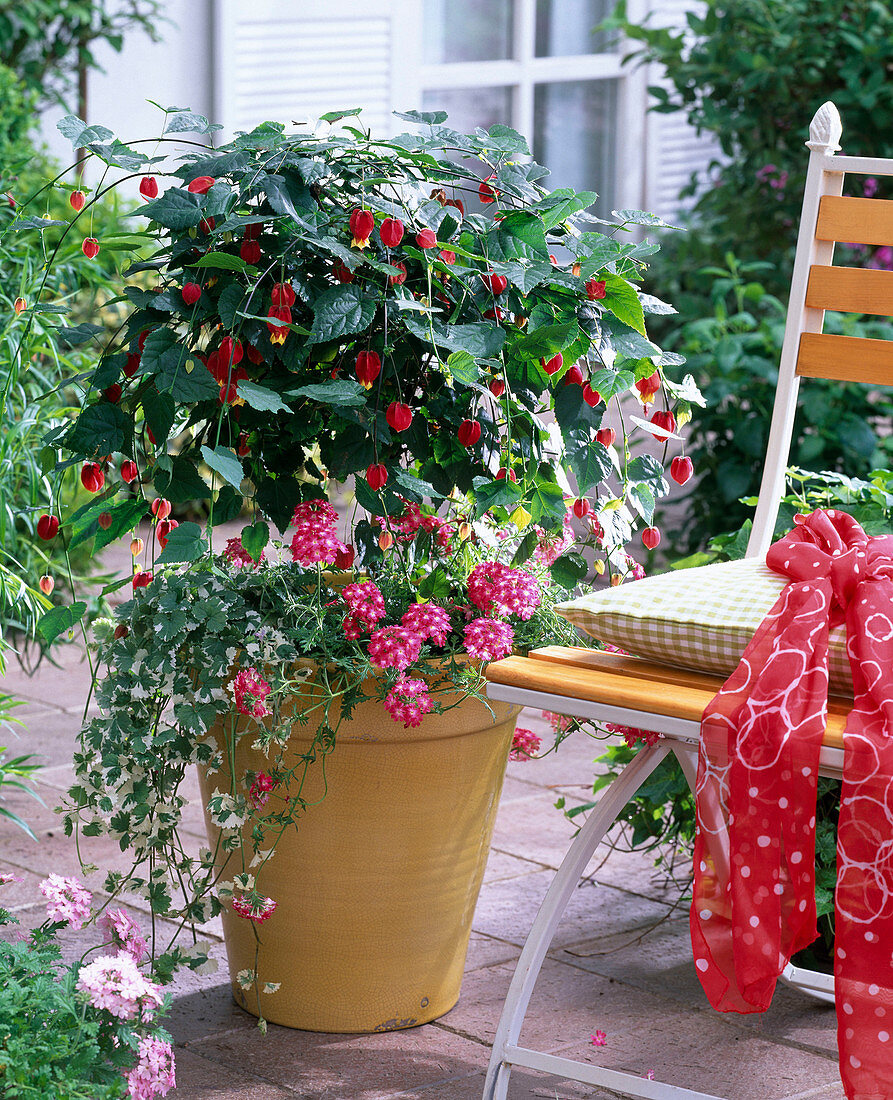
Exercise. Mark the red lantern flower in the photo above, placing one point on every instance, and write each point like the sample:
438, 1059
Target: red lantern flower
399, 416
447, 256
486, 192
553, 365
573, 376
376, 476
230, 351
501, 474
469, 432
458, 204
648, 387
664, 419
149, 187
164, 529
250, 251
397, 280
496, 283
283, 294
362, 223
344, 558
129, 471
368, 367
242, 447
104, 520
229, 392
113, 393
92, 477
280, 316
47, 584
191, 293
497, 387
20, 305
591, 396
391, 232
651, 538
342, 272
201, 185
582, 508
90, 248
252, 231
142, 579
206, 225
681, 469
426, 238
77, 200
595, 290
606, 436
161, 508
47, 527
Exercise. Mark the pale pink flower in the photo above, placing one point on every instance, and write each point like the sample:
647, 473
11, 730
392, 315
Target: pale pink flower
67, 900
429, 620
637, 571
550, 547
258, 908
560, 723
524, 744
153, 1075
408, 702
496, 587
394, 647
126, 934
489, 639
366, 605
8, 877
259, 793
236, 554
250, 690
115, 983
599, 1039
649, 1076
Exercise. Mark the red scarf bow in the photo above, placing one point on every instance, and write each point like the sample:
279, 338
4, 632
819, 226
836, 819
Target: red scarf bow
754, 902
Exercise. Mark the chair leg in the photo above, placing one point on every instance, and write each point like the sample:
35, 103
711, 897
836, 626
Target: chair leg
599, 821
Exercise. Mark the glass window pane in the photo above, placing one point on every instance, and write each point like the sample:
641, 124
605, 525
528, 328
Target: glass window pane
575, 135
564, 27
471, 107
467, 30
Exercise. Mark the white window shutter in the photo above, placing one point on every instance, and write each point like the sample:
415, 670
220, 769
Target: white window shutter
283, 61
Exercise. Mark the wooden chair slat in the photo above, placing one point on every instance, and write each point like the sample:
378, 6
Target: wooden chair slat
845, 358
855, 221
629, 682
850, 290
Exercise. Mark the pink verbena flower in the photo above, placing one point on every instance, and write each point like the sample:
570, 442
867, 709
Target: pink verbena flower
259, 792
115, 983
550, 547
394, 647
637, 570
524, 744
599, 1039
429, 620
366, 605
489, 639
67, 900
496, 587
254, 907
236, 554
8, 877
250, 690
560, 723
631, 735
408, 702
126, 934
153, 1075
315, 540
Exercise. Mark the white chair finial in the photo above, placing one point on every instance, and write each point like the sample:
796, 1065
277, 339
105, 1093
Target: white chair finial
825, 130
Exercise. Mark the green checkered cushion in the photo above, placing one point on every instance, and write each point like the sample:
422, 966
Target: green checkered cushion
693, 618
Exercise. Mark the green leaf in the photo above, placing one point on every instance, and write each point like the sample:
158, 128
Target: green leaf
464, 368
340, 310
642, 217
79, 133
569, 570
182, 482
254, 538
59, 619
340, 391
176, 369
610, 382
578, 422
424, 118
99, 430
223, 262
79, 334
482, 341
524, 274
547, 341
225, 462
436, 583
276, 497
227, 506
518, 235
562, 204
188, 122
526, 547
415, 487
336, 116
126, 514
184, 543
547, 499
260, 398
506, 140
175, 209
686, 390
287, 195
642, 499
159, 411
495, 494
622, 299
591, 464
646, 468
381, 503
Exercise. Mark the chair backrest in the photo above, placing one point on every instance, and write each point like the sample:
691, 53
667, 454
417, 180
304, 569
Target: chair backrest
807, 352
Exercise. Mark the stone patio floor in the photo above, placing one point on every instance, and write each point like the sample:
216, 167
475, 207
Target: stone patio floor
602, 972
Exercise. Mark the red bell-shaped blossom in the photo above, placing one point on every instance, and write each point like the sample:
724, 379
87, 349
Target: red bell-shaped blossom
496, 283
582, 508
651, 538
142, 579
92, 477
201, 185
591, 396
250, 252
573, 376
397, 280
368, 367
447, 256
362, 223
206, 225
90, 248
486, 192
279, 318
47, 527
497, 387
606, 436
469, 432
553, 365
342, 272
77, 200
149, 187
458, 205
399, 416
129, 471
426, 238
113, 393
595, 290
391, 232
191, 293
255, 355
283, 294
648, 387
377, 476
663, 419
230, 351
164, 529
681, 469
502, 472
161, 508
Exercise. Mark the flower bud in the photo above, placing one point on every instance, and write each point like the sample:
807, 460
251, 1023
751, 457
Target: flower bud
136, 547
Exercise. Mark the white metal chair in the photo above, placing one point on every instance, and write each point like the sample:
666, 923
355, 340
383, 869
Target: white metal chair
606, 687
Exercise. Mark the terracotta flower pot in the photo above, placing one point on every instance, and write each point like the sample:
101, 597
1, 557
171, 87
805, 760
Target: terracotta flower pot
377, 884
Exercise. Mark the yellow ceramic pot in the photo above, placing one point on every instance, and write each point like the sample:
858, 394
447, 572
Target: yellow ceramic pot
377, 884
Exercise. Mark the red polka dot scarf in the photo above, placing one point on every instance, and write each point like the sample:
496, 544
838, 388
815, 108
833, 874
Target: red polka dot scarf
754, 903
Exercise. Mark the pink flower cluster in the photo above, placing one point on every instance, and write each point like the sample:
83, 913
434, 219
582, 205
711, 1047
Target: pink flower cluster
259, 792
550, 547
489, 639
153, 1075
115, 983
560, 723
428, 620
255, 907
408, 702
394, 647
496, 587
125, 933
250, 690
67, 900
408, 524
315, 541
236, 554
631, 736
524, 744
365, 607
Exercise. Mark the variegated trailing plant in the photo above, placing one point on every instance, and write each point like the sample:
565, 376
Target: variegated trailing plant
321, 309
